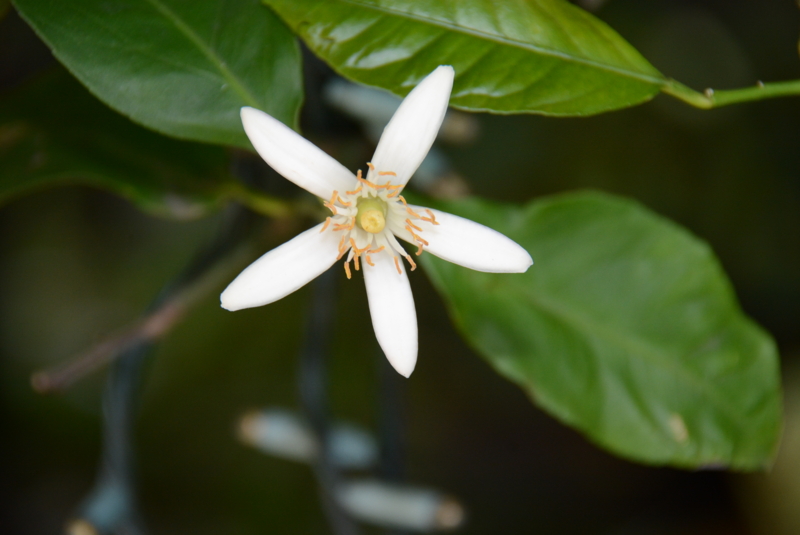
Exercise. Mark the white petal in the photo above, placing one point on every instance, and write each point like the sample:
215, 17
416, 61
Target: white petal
295, 157
283, 270
410, 133
471, 244
391, 306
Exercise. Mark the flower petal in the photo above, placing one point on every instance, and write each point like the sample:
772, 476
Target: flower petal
282, 270
410, 133
295, 157
471, 244
391, 306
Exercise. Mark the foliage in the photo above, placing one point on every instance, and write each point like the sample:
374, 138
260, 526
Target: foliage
625, 328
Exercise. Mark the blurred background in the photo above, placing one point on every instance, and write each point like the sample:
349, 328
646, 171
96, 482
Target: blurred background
76, 264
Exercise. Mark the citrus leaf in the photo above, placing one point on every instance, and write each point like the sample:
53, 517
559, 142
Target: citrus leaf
540, 56
180, 67
626, 328
54, 132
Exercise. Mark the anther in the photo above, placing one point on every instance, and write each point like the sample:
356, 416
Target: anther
368, 260
330, 204
378, 250
327, 222
342, 247
384, 173
371, 167
355, 262
410, 261
397, 265
413, 225
433, 217
347, 269
357, 190
343, 202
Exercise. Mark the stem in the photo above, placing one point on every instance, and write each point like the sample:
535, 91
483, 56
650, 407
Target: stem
715, 99
111, 504
257, 201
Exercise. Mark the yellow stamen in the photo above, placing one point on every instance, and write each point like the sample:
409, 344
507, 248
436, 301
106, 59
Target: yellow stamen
330, 204
413, 225
397, 265
378, 250
367, 182
344, 203
384, 173
416, 237
347, 269
371, 167
433, 217
342, 246
410, 261
419, 249
355, 261
327, 222
369, 260
358, 189
345, 226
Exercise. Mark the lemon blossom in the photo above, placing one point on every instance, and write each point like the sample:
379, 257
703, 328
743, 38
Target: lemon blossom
368, 214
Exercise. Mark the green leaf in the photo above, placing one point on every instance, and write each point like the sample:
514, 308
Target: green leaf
625, 328
54, 132
180, 67
539, 56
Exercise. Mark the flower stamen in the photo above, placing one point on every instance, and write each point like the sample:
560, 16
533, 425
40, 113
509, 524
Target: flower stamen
347, 269
368, 260
327, 222
329, 205
384, 173
345, 226
397, 265
431, 219
408, 221
410, 261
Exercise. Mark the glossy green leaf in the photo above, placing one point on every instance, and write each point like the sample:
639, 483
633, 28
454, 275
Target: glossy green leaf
626, 328
54, 132
540, 56
181, 67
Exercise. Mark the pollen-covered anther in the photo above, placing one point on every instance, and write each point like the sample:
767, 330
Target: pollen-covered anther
397, 265
327, 222
431, 218
411, 261
347, 269
345, 226
368, 260
385, 173
330, 204
416, 237
409, 223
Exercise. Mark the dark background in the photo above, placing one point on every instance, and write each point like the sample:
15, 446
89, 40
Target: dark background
76, 264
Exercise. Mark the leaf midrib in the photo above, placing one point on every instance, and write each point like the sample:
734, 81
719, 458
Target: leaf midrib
633, 346
507, 41
207, 51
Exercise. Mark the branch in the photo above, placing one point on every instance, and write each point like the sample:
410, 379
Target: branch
714, 99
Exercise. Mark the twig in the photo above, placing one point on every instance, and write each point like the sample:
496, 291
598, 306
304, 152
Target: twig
111, 505
166, 312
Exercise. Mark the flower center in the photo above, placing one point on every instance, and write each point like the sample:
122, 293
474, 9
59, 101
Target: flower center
371, 214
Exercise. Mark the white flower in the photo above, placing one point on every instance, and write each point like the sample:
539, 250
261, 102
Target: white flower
367, 216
